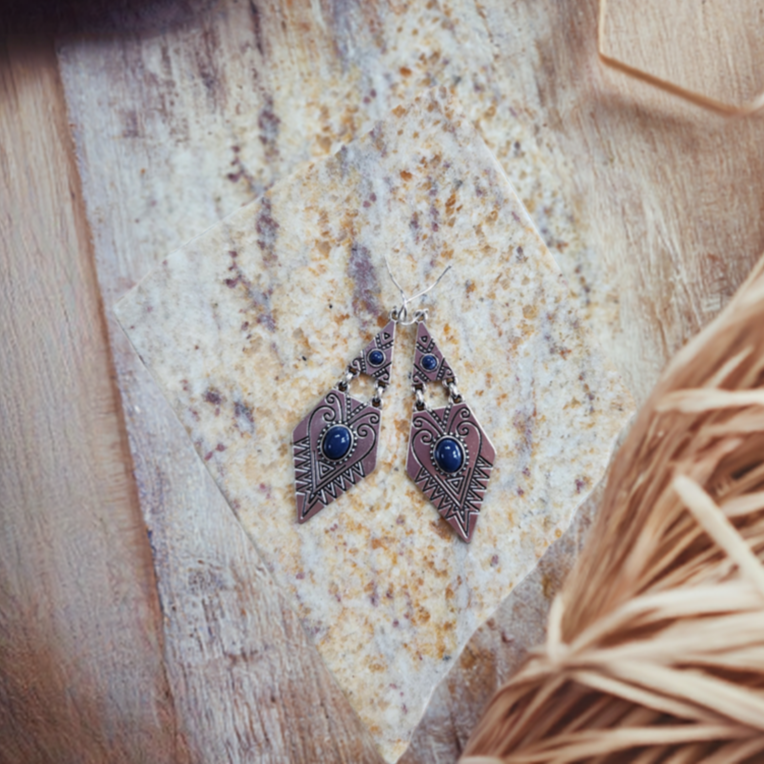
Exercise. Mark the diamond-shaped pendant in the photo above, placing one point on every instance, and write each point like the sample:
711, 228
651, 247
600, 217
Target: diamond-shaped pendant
450, 457
335, 445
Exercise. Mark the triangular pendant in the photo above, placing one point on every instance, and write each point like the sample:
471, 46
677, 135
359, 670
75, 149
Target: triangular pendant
376, 359
429, 363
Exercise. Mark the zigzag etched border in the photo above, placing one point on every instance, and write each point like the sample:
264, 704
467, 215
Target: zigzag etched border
458, 496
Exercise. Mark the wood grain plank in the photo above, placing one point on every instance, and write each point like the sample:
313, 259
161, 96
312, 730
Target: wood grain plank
670, 194
710, 48
81, 669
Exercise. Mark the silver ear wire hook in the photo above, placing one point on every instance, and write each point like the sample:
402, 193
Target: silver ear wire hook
400, 314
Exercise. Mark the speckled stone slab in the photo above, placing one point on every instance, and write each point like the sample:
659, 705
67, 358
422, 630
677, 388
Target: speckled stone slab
246, 327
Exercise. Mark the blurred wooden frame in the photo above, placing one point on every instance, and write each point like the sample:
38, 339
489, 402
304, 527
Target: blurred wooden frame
746, 109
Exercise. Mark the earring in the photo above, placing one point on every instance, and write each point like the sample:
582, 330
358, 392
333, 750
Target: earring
450, 457
335, 446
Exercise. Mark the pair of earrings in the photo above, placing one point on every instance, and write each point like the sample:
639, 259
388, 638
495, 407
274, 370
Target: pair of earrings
449, 457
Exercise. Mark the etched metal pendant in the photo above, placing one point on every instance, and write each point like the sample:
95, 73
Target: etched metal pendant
335, 446
450, 457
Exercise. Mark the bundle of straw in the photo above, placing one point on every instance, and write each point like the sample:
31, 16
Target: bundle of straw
655, 646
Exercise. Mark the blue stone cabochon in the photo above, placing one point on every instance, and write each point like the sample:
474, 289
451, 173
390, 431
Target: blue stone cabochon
449, 455
426, 346
336, 441
430, 362
383, 342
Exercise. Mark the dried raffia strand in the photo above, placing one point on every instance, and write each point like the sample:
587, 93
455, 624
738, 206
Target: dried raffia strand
655, 646
725, 109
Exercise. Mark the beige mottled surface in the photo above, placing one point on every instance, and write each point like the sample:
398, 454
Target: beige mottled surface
230, 98
244, 325
498, 648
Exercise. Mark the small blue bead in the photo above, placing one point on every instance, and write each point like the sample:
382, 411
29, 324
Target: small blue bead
336, 442
449, 455
429, 362
376, 358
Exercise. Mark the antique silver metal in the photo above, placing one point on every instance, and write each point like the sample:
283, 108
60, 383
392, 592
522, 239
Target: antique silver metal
379, 391
457, 494
383, 342
426, 346
319, 478
453, 391
349, 375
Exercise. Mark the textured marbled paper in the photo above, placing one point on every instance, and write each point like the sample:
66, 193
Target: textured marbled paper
247, 326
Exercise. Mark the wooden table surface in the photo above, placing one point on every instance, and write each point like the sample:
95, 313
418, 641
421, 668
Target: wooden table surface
137, 622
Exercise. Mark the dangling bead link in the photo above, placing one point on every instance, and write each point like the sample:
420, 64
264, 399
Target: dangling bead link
453, 390
350, 374
419, 395
379, 391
